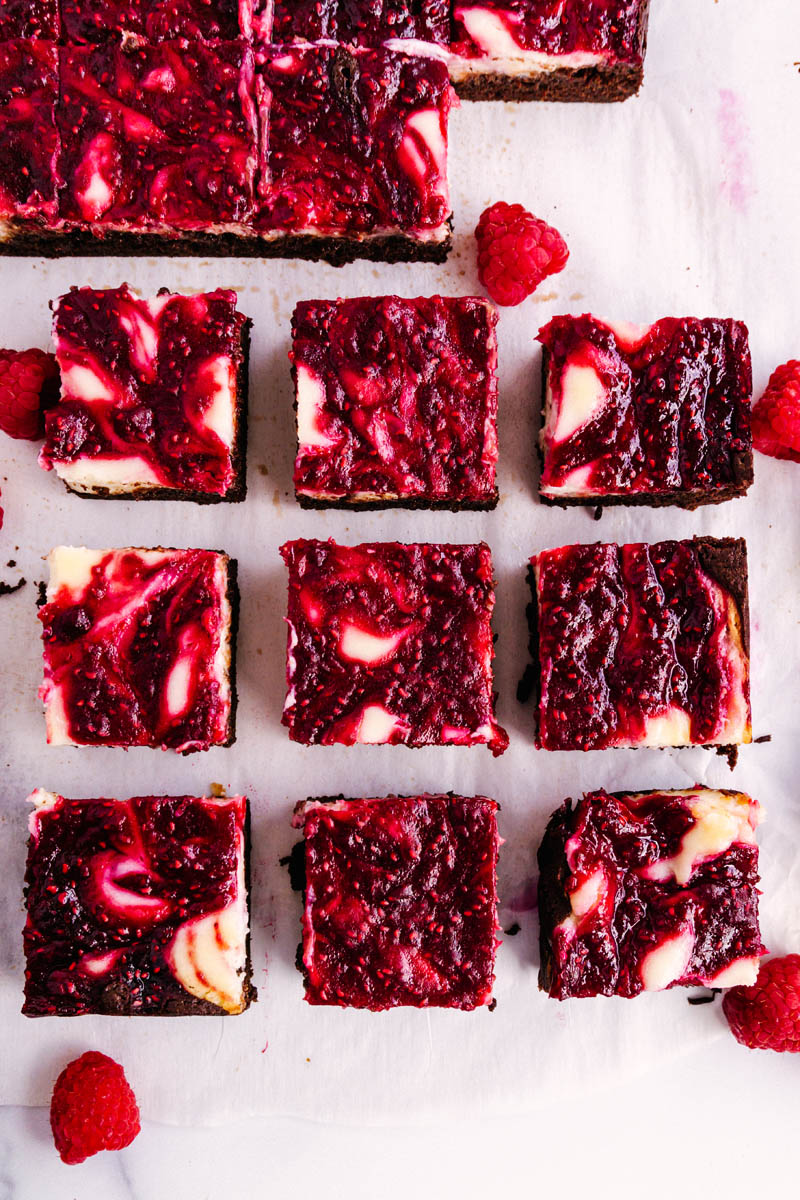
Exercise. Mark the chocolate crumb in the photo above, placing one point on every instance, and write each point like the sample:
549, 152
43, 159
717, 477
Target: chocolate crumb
707, 997
12, 562
731, 753
8, 589
598, 512
765, 737
492, 1006
41, 598
512, 930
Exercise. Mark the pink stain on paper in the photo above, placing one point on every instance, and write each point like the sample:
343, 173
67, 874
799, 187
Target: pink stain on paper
526, 900
737, 168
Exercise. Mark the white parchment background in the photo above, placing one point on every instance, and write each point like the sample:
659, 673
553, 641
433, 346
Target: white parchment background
683, 201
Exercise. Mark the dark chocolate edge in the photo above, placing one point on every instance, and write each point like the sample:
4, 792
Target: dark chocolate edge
603, 84
234, 601
690, 499
534, 671
237, 492
26, 242
111, 1004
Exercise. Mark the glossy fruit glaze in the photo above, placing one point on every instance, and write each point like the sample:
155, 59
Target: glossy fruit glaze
131, 654
631, 636
150, 20
608, 28
397, 398
109, 884
141, 378
390, 643
28, 137
360, 22
29, 19
674, 407
619, 880
352, 142
157, 136
400, 902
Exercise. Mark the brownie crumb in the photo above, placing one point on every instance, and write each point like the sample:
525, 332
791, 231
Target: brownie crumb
707, 997
731, 753
12, 562
765, 737
492, 1005
512, 930
217, 791
598, 512
41, 597
8, 589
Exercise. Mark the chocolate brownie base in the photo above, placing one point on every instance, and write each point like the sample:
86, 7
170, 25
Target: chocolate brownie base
26, 242
594, 85
408, 503
723, 559
237, 492
742, 462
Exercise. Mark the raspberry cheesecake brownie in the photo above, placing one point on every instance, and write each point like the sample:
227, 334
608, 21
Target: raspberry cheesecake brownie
541, 50
353, 154
37, 19
645, 414
154, 20
377, 933
153, 395
139, 648
390, 643
137, 907
641, 645
396, 402
28, 135
370, 23
649, 890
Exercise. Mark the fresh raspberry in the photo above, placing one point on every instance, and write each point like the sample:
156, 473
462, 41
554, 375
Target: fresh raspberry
28, 384
93, 1108
776, 416
766, 1016
516, 251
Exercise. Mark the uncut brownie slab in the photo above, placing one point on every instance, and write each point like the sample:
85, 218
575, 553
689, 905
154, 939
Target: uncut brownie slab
641, 645
396, 402
645, 414
358, 22
649, 890
137, 907
158, 145
139, 648
353, 153
400, 901
538, 50
153, 395
391, 644
28, 134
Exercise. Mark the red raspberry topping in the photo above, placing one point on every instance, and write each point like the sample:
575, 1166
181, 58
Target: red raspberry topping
93, 1108
766, 1016
516, 251
776, 416
28, 383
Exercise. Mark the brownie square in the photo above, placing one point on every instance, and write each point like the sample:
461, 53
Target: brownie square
29, 19
656, 414
390, 644
28, 135
396, 402
137, 907
377, 933
139, 648
538, 50
152, 20
153, 395
361, 22
353, 148
157, 138
641, 645
649, 890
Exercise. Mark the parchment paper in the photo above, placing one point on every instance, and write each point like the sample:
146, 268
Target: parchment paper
680, 202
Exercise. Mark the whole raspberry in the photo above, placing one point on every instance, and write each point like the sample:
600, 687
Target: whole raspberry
516, 251
28, 384
93, 1108
776, 416
766, 1016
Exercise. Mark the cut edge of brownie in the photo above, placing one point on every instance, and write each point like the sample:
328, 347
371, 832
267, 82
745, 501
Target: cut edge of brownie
232, 565
26, 241
112, 1002
603, 84
725, 561
554, 870
237, 492
687, 498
